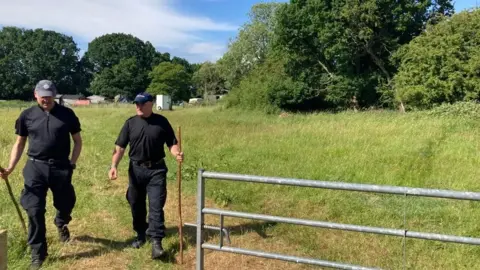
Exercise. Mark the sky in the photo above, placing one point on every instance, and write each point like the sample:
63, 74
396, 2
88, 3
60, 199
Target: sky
197, 30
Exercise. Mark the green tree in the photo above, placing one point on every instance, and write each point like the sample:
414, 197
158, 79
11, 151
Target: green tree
268, 88
196, 67
207, 80
251, 46
342, 49
442, 65
170, 79
184, 62
125, 78
27, 56
108, 50
159, 58
113, 54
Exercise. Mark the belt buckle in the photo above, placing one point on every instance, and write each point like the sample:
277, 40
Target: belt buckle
148, 164
51, 161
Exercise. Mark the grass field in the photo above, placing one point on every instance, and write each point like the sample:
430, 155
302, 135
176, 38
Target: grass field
373, 147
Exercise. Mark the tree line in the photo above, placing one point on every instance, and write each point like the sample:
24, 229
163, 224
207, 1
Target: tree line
300, 56
336, 54
114, 64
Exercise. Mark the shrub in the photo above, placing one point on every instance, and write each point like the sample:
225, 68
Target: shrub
463, 109
442, 65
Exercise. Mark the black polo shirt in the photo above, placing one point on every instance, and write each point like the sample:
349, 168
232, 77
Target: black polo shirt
48, 133
147, 137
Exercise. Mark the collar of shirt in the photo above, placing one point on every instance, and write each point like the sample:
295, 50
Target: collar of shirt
53, 110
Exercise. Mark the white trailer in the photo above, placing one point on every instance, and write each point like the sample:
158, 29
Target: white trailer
164, 102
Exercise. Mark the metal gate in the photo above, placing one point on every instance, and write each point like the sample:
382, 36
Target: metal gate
405, 191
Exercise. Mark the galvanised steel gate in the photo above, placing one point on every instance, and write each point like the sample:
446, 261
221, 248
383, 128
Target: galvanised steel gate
405, 191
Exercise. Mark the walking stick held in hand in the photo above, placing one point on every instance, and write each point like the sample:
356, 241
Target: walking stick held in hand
179, 182
15, 202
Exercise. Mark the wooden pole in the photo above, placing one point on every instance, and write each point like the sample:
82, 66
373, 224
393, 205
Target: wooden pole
22, 221
179, 182
3, 250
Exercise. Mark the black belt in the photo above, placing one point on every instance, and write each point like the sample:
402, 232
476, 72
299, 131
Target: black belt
50, 161
148, 163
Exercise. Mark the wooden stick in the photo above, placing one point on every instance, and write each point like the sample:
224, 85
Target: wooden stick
22, 221
179, 182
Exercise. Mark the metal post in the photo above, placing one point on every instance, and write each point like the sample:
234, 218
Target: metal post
209, 227
200, 217
221, 230
3, 250
405, 234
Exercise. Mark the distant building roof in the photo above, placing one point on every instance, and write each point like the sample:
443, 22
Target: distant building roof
73, 96
96, 97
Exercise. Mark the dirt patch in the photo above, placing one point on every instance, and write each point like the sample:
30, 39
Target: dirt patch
244, 234
112, 260
224, 260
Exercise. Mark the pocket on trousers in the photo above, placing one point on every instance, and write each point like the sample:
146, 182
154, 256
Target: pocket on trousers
29, 200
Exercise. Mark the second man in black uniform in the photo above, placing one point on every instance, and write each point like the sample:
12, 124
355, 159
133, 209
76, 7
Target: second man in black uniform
147, 133
48, 127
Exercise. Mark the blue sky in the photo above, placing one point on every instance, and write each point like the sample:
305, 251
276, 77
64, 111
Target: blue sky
197, 30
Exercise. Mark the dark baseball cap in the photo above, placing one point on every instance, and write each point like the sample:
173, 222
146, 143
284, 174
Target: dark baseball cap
46, 88
142, 98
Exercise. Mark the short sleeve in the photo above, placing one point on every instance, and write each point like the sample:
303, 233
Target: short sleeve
123, 137
21, 126
170, 139
75, 125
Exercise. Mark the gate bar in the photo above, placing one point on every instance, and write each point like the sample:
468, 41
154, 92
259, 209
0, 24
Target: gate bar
286, 258
347, 227
438, 193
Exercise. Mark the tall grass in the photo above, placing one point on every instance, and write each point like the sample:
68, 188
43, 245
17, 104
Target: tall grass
415, 150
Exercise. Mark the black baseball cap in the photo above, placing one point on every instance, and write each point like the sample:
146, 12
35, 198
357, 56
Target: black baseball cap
143, 98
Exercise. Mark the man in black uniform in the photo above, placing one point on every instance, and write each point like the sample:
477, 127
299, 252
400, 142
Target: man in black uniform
48, 127
147, 133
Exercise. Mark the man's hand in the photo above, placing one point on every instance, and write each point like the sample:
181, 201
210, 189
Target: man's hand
117, 156
112, 174
179, 157
176, 152
5, 172
15, 154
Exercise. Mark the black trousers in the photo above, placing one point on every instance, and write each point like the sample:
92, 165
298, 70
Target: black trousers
152, 182
38, 178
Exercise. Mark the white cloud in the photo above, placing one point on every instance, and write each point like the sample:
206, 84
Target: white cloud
152, 20
215, 51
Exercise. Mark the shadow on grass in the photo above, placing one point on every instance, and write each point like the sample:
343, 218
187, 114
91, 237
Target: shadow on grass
189, 234
108, 246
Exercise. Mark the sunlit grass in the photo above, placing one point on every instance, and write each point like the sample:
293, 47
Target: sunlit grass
371, 147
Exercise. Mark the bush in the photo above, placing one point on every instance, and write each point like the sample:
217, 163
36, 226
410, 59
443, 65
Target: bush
442, 65
462, 109
268, 88
251, 94
253, 91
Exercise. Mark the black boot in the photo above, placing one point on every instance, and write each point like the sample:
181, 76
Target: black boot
63, 233
38, 257
36, 264
157, 249
139, 241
